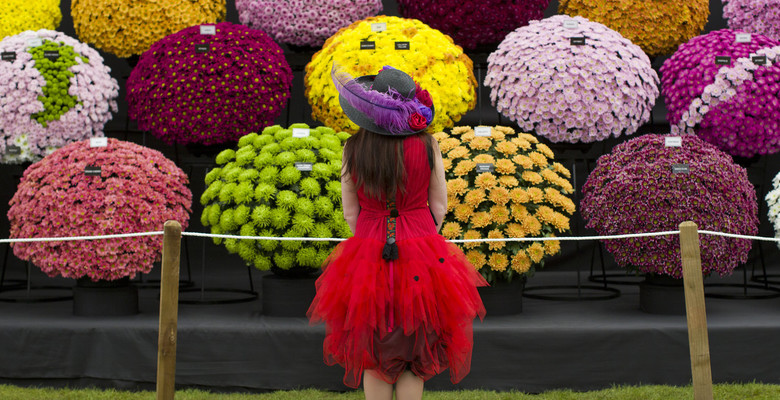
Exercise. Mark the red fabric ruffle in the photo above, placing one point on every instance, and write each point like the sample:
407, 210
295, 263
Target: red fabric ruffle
413, 313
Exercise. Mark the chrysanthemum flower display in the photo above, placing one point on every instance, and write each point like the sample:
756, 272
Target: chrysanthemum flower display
736, 105
81, 190
754, 16
17, 16
280, 183
129, 27
474, 22
773, 201
363, 48
209, 88
502, 184
304, 23
645, 186
658, 27
54, 90
572, 80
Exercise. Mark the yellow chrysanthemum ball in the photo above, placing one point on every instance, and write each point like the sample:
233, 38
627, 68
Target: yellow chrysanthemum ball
435, 62
657, 26
17, 16
129, 27
504, 184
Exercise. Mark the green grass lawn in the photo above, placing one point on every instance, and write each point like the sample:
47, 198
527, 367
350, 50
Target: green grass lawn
752, 391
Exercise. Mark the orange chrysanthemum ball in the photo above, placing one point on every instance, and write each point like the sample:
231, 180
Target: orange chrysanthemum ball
657, 26
129, 27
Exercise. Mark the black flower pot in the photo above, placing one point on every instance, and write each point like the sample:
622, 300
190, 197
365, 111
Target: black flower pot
105, 298
662, 294
503, 298
287, 297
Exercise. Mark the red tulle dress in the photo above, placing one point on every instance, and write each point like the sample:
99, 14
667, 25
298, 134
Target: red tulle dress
412, 313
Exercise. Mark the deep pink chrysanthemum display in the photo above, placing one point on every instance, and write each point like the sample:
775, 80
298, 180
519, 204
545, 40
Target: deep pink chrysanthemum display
754, 16
79, 191
197, 86
645, 186
572, 80
726, 91
471, 23
304, 23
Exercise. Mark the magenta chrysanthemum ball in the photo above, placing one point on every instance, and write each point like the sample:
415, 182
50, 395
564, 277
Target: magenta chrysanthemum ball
572, 80
471, 23
136, 189
645, 186
54, 90
304, 23
726, 91
754, 16
205, 88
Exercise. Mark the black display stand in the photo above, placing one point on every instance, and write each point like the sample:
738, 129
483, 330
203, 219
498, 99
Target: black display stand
223, 295
32, 293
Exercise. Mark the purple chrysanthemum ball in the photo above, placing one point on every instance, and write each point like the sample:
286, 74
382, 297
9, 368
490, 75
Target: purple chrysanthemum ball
754, 16
471, 23
643, 185
209, 84
724, 87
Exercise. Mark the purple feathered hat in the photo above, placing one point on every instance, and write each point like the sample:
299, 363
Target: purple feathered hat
388, 103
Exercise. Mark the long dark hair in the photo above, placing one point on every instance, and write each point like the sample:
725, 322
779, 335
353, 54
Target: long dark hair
377, 162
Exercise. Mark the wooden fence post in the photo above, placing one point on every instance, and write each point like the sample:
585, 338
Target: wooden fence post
169, 309
696, 312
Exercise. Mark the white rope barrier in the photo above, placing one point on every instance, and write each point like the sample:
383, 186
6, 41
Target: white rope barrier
71, 238
312, 239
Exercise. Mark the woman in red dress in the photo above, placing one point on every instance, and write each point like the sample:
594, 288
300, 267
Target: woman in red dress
397, 299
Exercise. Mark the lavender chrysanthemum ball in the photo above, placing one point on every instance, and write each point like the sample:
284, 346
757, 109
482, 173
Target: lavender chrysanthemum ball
572, 80
754, 16
304, 23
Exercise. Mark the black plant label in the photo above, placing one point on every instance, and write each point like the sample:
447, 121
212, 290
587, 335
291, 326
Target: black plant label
304, 166
722, 60
92, 170
202, 48
758, 60
680, 169
13, 150
367, 45
578, 41
402, 45
484, 167
9, 56
51, 55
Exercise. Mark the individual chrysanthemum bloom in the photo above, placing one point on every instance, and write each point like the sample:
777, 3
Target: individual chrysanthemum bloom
472, 234
536, 194
521, 263
498, 262
560, 222
532, 177
451, 230
476, 258
474, 197
557, 199
496, 234
458, 152
486, 181
445, 145
499, 195
484, 159
545, 214
447, 164
538, 158
514, 230
500, 214
560, 169
505, 147
480, 143
522, 143
536, 252
552, 247
505, 166
523, 161
464, 167
463, 212
518, 212
531, 225
457, 186
519, 196
508, 181
480, 219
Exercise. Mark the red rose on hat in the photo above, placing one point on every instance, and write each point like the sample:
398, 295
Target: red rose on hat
417, 122
423, 96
